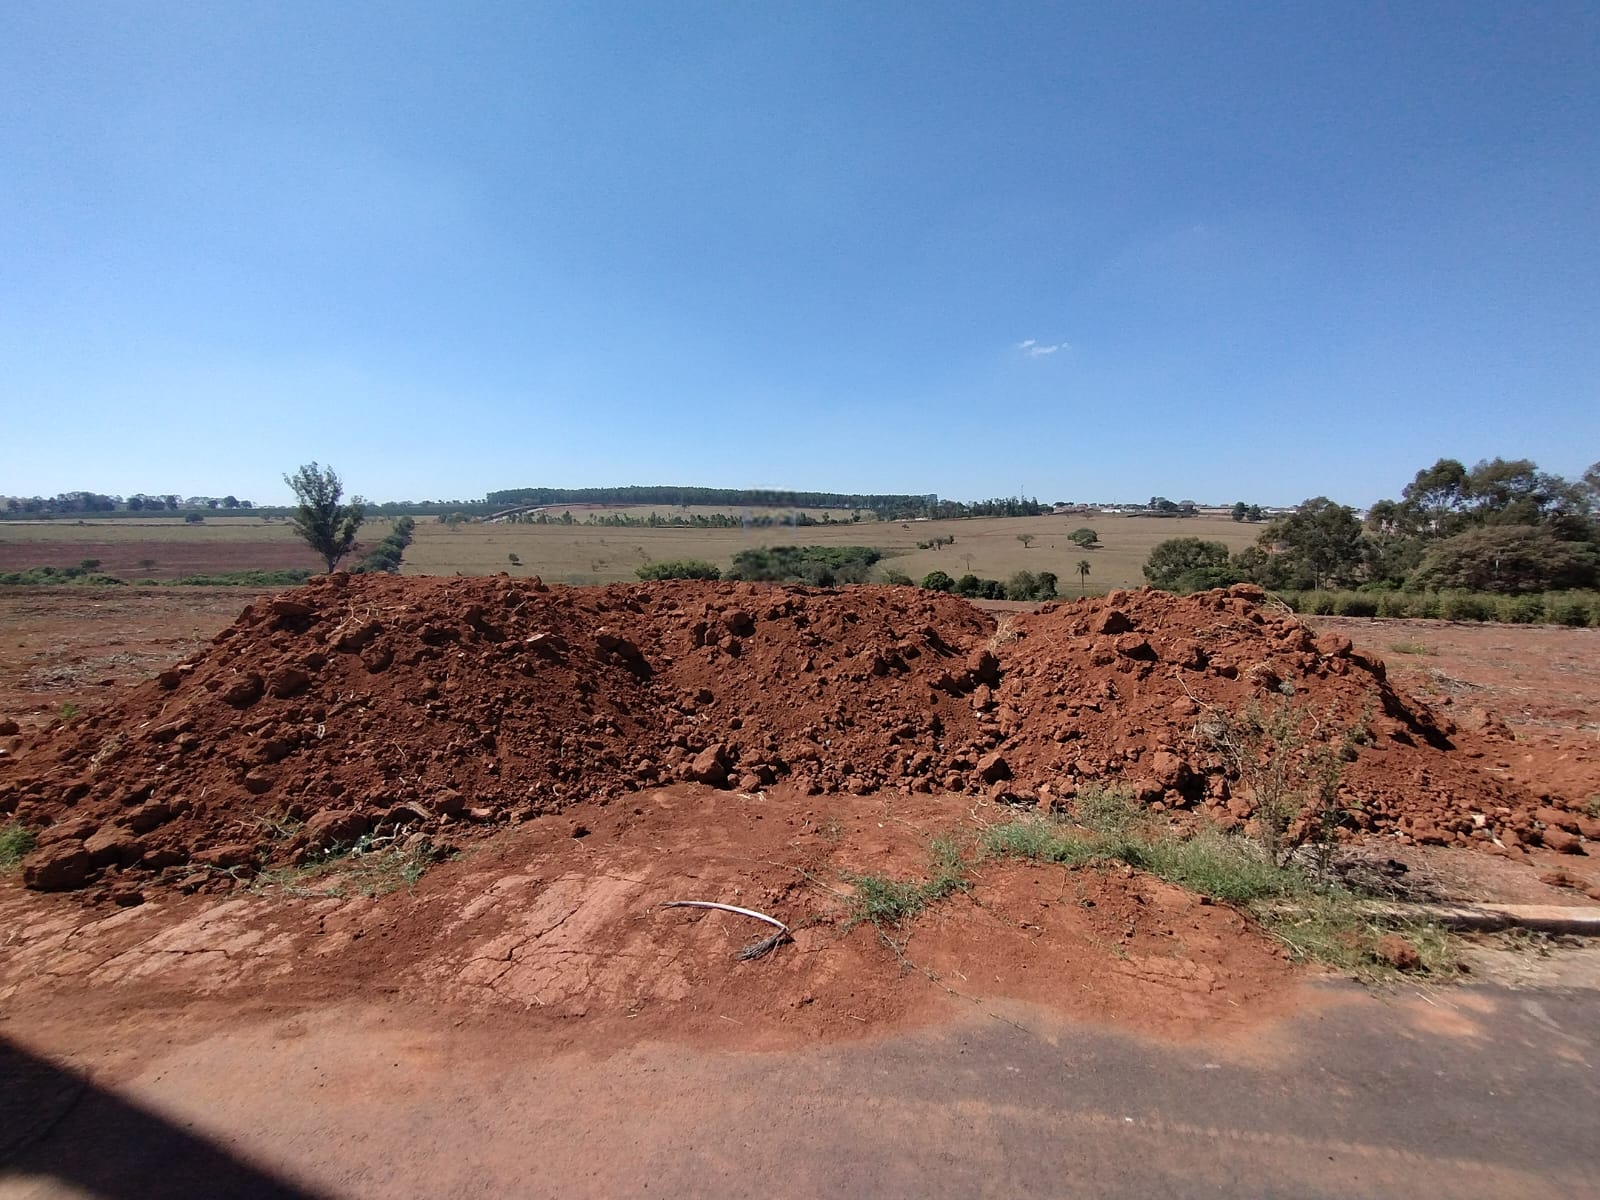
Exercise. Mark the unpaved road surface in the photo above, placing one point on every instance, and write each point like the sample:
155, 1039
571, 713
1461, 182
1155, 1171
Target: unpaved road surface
1473, 1092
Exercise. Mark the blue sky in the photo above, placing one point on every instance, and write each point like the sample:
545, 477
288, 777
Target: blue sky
1084, 252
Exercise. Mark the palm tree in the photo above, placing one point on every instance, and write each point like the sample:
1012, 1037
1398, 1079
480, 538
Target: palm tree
1083, 574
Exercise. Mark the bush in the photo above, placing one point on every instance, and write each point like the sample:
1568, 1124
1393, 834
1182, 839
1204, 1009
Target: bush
1396, 604
386, 556
938, 581
1570, 609
1520, 610
1170, 561
819, 566
1025, 585
895, 577
1355, 604
1464, 606
683, 568
1319, 603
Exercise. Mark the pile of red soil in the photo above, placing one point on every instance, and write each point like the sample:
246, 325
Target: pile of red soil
404, 706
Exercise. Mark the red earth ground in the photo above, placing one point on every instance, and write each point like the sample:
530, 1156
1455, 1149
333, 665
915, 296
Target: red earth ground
546, 938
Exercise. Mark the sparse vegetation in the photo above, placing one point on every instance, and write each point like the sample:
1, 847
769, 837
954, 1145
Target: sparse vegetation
885, 902
369, 867
292, 578
1289, 761
1320, 921
16, 840
1409, 648
58, 577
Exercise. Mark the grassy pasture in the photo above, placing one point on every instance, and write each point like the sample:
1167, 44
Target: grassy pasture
986, 546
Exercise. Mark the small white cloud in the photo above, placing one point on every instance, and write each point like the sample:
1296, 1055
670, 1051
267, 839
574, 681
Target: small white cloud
1033, 349
1026, 344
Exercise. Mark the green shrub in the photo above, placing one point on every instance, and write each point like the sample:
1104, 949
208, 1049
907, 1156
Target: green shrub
1396, 604
938, 581
1355, 604
1564, 608
1318, 603
683, 568
819, 566
1520, 610
1465, 606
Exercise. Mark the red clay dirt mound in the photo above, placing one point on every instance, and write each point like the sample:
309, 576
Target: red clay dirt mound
1127, 687
375, 704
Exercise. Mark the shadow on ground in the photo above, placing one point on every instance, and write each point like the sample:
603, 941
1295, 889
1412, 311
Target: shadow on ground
57, 1125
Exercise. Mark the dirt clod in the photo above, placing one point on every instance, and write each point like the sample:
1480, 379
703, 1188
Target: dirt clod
1397, 952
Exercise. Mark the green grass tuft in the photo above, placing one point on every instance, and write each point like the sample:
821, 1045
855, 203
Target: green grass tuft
880, 900
1318, 922
16, 841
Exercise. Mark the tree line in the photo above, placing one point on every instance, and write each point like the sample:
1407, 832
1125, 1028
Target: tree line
1502, 526
885, 506
81, 502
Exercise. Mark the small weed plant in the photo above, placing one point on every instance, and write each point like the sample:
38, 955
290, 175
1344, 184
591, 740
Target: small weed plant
16, 840
884, 902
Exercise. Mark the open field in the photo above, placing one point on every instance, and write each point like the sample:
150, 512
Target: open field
985, 546
587, 554
172, 548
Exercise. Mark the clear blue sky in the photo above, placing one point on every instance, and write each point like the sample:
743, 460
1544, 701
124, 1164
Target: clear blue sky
1099, 251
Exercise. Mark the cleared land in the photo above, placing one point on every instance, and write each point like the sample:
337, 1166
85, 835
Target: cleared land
985, 546
163, 548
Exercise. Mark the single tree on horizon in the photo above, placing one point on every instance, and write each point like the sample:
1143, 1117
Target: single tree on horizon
327, 526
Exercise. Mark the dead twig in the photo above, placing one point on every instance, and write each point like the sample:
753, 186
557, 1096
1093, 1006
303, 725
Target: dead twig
755, 949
